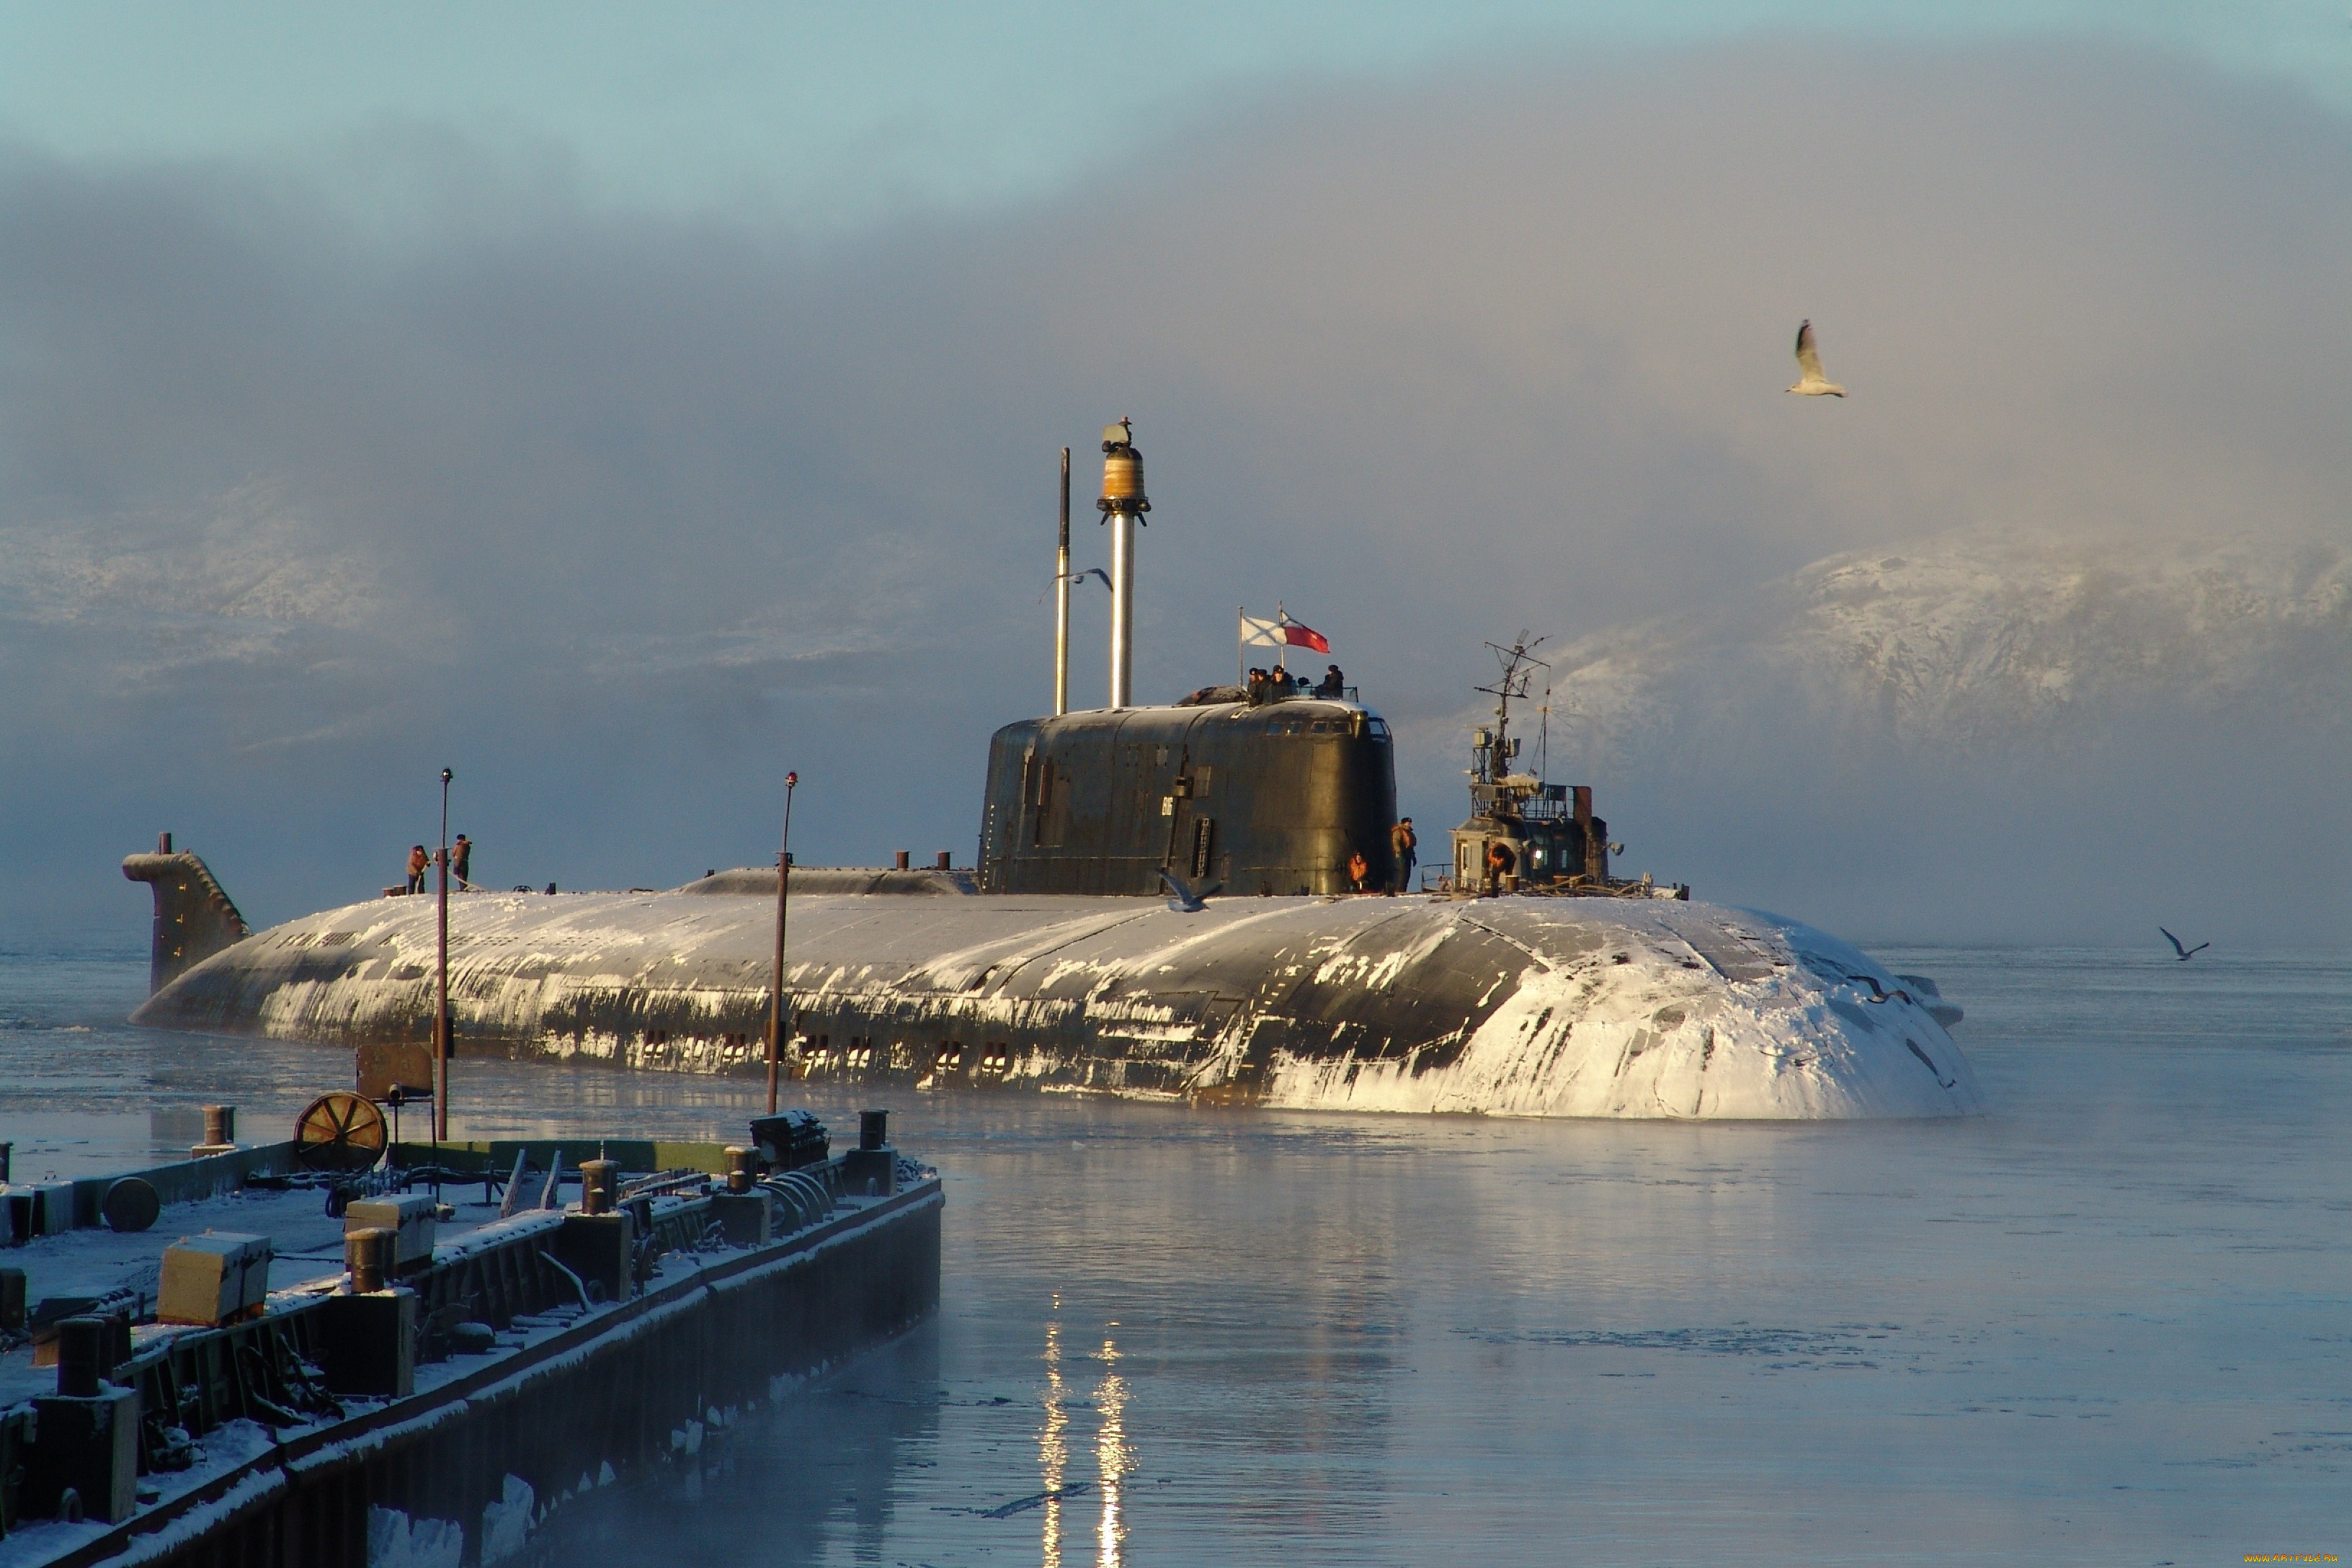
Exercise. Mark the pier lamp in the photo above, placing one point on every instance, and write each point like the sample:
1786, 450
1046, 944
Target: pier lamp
1062, 601
776, 990
441, 980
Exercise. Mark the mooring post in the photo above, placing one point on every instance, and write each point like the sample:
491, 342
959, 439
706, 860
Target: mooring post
871, 1170
776, 991
600, 1185
370, 1257
84, 1458
220, 1132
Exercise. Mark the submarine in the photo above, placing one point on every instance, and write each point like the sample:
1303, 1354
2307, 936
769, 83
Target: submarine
1168, 902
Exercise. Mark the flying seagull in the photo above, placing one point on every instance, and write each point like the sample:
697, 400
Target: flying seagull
2185, 952
1813, 383
1187, 901
1082, 576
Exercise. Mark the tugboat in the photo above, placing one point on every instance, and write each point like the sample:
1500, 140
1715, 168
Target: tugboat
1165, 906
1523, 834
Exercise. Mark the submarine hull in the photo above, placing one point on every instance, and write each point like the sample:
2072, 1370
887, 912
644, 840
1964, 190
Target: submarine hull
1511, 1006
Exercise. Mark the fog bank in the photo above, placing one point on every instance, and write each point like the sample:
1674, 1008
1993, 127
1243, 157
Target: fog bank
309, 492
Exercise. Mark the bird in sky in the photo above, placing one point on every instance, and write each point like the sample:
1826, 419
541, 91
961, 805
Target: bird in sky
2185, 952
1186, 901
1813, 383
1080, 577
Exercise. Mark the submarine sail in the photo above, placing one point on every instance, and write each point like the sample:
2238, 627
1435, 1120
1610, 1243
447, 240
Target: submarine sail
1265, 798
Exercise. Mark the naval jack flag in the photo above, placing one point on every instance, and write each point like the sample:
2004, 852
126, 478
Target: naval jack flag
1281, 632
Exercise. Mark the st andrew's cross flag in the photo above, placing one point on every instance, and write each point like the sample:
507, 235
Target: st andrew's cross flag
1282, 632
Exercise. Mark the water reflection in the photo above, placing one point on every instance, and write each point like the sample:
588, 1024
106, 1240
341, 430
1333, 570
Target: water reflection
1114, 1454
1053, 1448
1113, 1457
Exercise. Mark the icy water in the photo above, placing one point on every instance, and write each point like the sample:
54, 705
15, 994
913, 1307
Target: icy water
2111, 1323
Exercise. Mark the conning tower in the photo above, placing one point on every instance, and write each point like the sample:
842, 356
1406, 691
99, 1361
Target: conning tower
1264, 788
1270, 797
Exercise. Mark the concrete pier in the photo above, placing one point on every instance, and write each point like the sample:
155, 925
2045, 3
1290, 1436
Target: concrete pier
505, 1382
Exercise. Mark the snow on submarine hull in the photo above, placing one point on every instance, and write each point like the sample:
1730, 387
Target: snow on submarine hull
1517, 1006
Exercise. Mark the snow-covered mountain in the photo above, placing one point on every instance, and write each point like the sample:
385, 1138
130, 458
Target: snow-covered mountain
1981, 732
1978, 643
237, 583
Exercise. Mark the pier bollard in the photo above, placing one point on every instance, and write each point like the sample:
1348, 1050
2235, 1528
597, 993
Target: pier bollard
367, 1336
600, 1185
744, 1215
410, 1216
86, 1437
369, 1255
81, 1347
220, 1132
85, 1445
871, 1170
600, 1249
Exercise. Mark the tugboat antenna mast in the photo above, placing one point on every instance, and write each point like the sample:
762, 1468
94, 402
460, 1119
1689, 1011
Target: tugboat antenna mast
1519, 664
1543, 738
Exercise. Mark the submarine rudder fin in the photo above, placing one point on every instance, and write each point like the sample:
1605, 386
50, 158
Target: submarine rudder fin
195, 916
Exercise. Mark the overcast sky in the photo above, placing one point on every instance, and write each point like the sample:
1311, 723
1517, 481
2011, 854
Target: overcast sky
620, 410
835, 116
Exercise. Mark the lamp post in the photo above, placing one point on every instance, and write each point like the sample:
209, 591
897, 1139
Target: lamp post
1062, 601
776, 991
441, 981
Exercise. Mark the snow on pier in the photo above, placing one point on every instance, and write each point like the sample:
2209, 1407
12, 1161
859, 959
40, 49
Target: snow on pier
552, 1394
